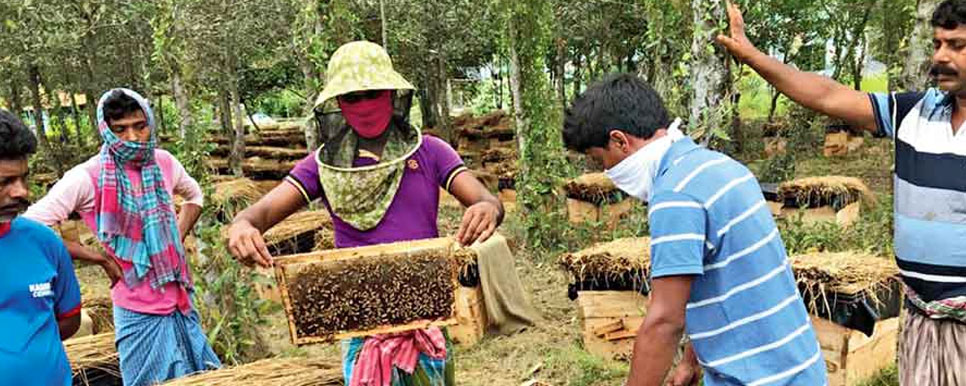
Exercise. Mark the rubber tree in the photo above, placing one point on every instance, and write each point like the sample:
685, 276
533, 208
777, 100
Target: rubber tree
915, 73
538, 121
710, 73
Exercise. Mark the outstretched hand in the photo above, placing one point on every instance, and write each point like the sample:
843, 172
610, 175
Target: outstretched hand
737, 43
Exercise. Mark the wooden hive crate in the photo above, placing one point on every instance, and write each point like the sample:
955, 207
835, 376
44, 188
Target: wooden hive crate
471, 320
288, 268
610, 320
852, 357
580, 212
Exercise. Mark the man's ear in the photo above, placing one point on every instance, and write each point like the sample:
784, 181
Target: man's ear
619, 139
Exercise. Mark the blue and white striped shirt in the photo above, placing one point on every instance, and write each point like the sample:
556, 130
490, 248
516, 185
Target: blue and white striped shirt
930, 191
745, 318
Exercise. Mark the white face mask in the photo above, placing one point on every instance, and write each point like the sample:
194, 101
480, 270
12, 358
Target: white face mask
635, 174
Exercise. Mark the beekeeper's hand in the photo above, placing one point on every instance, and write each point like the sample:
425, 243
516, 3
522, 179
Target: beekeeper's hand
246, 244
479, 222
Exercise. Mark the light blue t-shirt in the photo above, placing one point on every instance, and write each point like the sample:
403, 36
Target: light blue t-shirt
745, 318
37, 288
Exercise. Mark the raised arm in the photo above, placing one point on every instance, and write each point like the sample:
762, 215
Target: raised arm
813, 91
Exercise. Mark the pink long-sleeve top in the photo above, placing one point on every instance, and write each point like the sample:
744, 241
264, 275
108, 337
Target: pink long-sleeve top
76, 192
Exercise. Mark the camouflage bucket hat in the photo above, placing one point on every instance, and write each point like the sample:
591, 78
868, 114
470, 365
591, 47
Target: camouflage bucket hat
360, 66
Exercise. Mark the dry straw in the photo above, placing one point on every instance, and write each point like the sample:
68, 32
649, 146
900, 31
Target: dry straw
94, 352
297, 224
270, 372
821, 276
239, 189
101, 311
839, 190
610, 259
591, 187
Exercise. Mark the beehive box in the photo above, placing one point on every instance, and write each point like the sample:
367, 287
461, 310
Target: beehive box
471, 321
379, 289
852, 357
609, 321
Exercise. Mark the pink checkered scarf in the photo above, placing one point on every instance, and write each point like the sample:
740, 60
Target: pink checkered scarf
381, 353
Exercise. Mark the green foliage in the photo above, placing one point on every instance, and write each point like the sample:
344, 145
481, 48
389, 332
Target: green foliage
590, 369
278, 103
779, 168
230, 309
887, 377
542, 163
871, 234
804, 129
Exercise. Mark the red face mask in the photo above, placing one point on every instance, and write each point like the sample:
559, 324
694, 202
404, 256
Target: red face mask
369, 117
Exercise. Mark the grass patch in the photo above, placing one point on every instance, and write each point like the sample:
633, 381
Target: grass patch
887, 377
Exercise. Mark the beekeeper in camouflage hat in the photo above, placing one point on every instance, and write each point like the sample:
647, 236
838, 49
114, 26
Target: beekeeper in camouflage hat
380, 179
360, 66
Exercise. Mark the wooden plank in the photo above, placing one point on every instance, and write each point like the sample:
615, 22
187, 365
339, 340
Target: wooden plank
579, 212
833, 340
850, 356
406, 247
619, 335
613, 326
613, 213
870, 355
620, 349
610, 304
601, 311
471, 319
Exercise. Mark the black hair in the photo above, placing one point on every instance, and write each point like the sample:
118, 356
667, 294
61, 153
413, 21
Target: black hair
16, 140
950, 14
119, 105
621, 102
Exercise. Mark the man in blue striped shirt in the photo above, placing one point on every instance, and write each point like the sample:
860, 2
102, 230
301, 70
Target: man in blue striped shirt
718, 266
930, 185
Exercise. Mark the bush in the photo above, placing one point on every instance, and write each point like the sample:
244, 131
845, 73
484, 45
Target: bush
779, 168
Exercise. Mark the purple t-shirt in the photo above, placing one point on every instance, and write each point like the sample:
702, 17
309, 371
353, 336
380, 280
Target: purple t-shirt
412, 213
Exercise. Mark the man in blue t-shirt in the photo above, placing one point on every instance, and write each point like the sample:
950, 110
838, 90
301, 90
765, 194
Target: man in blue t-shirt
719, 271
39, 296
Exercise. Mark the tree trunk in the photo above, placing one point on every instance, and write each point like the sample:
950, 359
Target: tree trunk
238, 143
224, 113
709, 73
538, 122
91, 106
497, 86
75, 112
382, 19
860, 41
427, 104
560, 64
915, 72
442, 100
519, 115
90, 90
62, 116
16, 102
577, 74
182, 102
309, 81
774, 105
160, 110
34, 74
